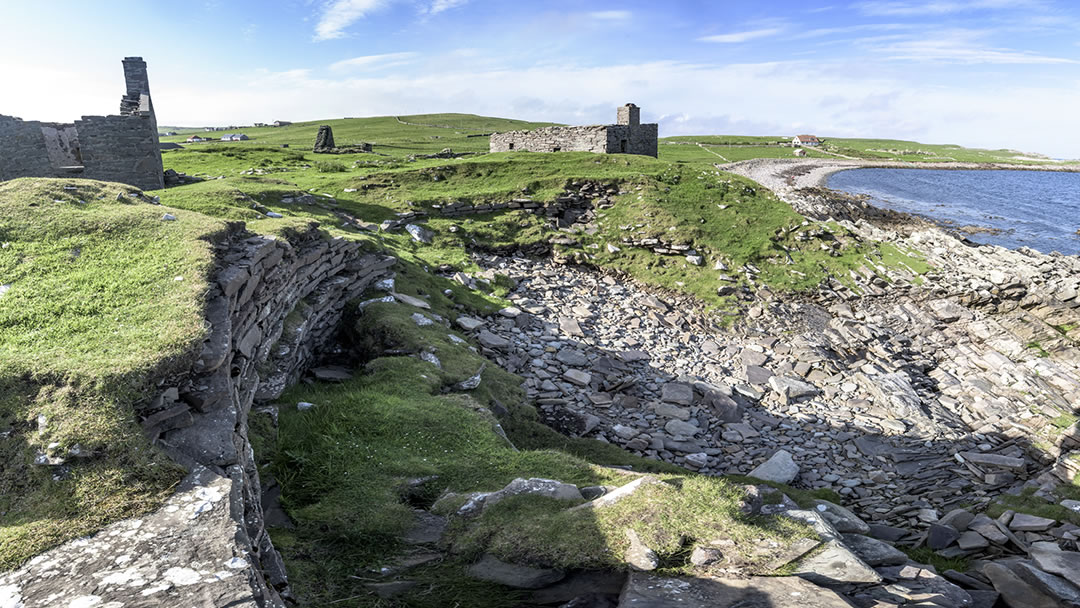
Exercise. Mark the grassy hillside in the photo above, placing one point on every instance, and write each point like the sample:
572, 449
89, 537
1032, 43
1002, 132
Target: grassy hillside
743, 147
394, 136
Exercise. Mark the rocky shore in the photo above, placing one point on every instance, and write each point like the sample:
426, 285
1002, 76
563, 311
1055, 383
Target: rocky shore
922, 400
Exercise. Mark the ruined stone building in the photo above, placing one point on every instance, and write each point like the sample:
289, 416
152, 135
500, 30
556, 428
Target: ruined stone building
118, 148
627, 136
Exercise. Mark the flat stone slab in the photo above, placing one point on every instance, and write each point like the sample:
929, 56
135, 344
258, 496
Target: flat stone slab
332, 374
994, 460
494, 570
874, 552
412, 301
490, 340
1065, 563
578, 377
645, 590
779, 468
180, 555
470, 323
836, 564
1030, 523
678, 393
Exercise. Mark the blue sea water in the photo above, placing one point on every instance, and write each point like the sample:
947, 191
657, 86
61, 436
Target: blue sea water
1036, 209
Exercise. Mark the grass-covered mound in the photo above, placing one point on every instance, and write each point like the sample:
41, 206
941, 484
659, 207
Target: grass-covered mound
99, 295
353, 468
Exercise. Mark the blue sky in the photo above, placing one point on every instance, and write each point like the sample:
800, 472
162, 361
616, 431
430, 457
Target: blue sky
988, 73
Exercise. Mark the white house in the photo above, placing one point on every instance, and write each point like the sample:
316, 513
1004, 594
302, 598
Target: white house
806, 140
194, 139
234, 137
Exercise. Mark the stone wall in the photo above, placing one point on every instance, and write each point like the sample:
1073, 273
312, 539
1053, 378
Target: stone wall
22, 149
122, 148
553, 139
273, 305
602, 139
640, 139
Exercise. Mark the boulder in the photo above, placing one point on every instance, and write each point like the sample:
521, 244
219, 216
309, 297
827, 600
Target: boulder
792, 389
1024, 522
779, 468
493, 341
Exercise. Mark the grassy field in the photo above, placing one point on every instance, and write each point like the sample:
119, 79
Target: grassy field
393, 136
893, 149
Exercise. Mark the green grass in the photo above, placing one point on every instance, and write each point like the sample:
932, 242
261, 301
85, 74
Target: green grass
428, 134
343, 466
893, 149
104, 295
926, 555
1027, 502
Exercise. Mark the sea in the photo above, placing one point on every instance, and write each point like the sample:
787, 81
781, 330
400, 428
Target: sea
1037, 209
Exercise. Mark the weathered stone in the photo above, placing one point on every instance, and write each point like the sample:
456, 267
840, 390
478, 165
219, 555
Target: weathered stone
792, 388
1016, 591
835, 564
571, 356
619, 493
679, 393
841, 518
705, 556
939, 536
994, 460
780, 468
972, 540
1065, 563
419, 233
629, 136
571, 327
874, 552
578, 377
679, 428
493, 341
650, 591
1023, 522
469, 323
638, 556
668, 410
494, 570
412, 301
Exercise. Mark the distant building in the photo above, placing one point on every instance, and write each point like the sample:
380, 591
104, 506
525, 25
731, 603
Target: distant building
806, 140
281, 123
194, 139
627, 136
261, 124
234, 137
168, 134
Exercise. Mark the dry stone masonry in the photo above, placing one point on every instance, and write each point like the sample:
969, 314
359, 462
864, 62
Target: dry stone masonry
627, 136
118, 148
274, 304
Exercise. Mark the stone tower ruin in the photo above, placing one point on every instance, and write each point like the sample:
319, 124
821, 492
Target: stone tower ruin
117, 148
627, 136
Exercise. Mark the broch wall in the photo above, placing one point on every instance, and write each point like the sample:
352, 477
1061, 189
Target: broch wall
628, 136
273, 305
119, 148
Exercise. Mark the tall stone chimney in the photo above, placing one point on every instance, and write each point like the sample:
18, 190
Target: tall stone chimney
628, 115
137, 98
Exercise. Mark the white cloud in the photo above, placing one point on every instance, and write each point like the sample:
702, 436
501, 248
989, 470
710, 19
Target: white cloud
611, 15
959, 46
936, 7
385, 60
735, 37
340, 14
438, 6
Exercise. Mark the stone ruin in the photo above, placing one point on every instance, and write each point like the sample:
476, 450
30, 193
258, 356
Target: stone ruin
117, 148
324, 144
627, 136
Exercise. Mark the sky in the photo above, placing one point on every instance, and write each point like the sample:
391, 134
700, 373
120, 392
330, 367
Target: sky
980, 73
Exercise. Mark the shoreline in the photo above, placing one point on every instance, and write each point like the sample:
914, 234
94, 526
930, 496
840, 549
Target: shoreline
796, 173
